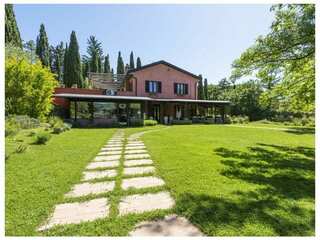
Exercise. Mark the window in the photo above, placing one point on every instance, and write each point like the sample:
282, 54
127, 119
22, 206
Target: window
106, 110
180, 88
153, 86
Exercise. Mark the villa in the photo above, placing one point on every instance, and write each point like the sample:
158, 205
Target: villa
160, 91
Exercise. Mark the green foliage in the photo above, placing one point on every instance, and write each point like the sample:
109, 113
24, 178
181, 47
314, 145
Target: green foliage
95, 53
150, 123
23, 121
120, 64
139, 65
200, 88
57, 62
284, 59
12, 34
42, 47
107, 64
11, 127
28, 88
72, 64
30, 48
42, 137
238, 119
21, 148
205, 89
131, 66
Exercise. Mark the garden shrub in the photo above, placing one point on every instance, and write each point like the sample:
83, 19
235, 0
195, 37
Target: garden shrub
150, 122
42, 137
11, 127
239, 119
21, 148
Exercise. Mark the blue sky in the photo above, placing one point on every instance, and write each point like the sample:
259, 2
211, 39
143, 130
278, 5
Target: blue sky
203, 39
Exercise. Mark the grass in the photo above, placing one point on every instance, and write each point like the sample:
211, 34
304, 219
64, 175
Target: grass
227, 180
232, 181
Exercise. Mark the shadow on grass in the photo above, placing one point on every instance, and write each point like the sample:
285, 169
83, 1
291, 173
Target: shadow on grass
284, 177
301, 131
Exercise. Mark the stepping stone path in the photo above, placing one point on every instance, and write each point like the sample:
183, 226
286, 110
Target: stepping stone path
119, 163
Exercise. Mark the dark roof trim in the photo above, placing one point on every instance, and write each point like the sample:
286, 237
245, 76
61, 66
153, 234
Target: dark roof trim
133, 98
164, 63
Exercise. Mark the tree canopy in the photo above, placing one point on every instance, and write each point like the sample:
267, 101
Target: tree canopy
284, 59
131, 60
120, 64
95, 53
42, 47
12, 34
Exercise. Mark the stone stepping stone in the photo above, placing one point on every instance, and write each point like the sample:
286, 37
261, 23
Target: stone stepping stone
138, 162
107, 158
84, 189
135, 151
134, 142
111, 145
68, 213
135, 147
138, 170
109, 153
171, 225
141, 182
140, 203
111, 149
107, 164
98, 174
136, 156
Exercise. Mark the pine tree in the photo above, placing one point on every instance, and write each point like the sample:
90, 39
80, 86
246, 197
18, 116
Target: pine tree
131, 61
120, 65
73, 66
57, 61
95, 53
66, 67
200, 88
85, 66
30, 47
12, 34
205, 89
139, 63
106, 64
42, 49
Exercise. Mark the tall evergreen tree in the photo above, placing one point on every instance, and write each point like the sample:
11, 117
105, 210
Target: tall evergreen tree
57, 61
200, 88
73, 67
12, 34
85, 66
139, 65
95, 53
30, 47
120, 65
42, 49
131, 61
106, 64
112, 71
205, 88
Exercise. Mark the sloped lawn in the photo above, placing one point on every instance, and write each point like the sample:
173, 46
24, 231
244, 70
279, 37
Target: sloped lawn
233, 181
38, 178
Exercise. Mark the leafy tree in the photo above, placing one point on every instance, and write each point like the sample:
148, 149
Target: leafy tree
107, 64
139, 65
224, 84
29, 86
131, 61
30, 47
200, 88
205, 89
120, 65
42, 47
95, 53
57, 61
66, 67
284, 58
73, 66
85, 66
12, 34
214, 92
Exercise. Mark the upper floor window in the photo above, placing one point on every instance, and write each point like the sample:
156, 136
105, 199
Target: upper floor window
153, 86
181, 88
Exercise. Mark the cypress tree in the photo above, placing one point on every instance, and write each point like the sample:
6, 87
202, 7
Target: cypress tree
73, 67
205, 89
120, 65
58, 61
112, 71
12, 34
139, 63
107, 64
42, 49
200, 88
131, 61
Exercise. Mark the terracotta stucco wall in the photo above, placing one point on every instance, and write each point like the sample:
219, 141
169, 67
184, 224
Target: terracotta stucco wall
168, 76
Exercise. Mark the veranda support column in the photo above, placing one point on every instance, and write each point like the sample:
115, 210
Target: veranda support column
75, 110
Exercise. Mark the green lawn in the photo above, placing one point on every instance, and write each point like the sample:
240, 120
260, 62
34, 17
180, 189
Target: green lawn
227, 180
239, 181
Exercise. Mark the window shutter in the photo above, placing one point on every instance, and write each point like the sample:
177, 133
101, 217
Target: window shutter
186, 89
175, 88
147, 86
159, 87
